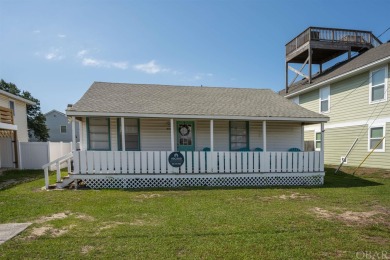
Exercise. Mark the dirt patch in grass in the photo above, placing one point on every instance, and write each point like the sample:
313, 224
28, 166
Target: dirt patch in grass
376, 216
62, 215
84, 217
55, 216
86, 249
291, 196
294, 196
48, 230
142, 197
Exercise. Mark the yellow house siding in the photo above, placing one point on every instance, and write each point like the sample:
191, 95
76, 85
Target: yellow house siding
20, 118
350, 111
339, 140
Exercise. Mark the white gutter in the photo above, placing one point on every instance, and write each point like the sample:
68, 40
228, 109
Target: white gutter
340, 77
5, 93
107, 114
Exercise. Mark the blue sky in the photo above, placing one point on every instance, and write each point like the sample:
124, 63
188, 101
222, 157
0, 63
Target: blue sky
56, 49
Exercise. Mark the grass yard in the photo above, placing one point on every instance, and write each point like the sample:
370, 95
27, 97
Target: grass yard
346, 218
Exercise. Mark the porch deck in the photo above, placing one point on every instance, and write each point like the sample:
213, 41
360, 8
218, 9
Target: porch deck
141, 169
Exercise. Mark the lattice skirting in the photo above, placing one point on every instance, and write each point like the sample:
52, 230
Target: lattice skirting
211, 180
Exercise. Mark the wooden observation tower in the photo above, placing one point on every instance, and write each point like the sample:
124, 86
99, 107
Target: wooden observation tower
317, 45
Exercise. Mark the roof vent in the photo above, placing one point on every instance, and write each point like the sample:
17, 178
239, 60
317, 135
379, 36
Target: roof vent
70, 105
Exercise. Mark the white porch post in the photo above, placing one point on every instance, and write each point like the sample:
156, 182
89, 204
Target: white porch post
212, 135
172, 136
322, 154
81, 134
303, 137
123, 133
264, 136
74, 134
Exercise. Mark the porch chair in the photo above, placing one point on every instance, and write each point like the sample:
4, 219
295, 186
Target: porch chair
294, 149
206, 149
258, 149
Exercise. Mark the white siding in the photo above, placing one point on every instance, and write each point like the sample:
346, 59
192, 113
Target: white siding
84, 134
221, 135
255, 135
282, 136
155, 134
114, 134
202, 132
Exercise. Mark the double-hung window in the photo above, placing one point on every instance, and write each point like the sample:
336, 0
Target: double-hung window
98, 134
375, 136
325, 100
63, 129
239, 136
132, 138
378, 85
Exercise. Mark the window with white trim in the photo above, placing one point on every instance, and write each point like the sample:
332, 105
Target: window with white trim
375, 136
325, 99
239, 136
98, 134
63, 129
378, 83
317, 141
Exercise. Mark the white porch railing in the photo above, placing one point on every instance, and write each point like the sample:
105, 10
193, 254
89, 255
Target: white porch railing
156, 162
57, 162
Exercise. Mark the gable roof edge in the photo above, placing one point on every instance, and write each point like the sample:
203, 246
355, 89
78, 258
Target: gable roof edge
10, 95
339, 77
54, 110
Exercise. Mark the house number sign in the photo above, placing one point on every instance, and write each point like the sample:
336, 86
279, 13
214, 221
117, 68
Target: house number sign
176, 159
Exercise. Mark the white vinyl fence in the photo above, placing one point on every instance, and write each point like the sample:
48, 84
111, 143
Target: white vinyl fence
35, 154
117, 162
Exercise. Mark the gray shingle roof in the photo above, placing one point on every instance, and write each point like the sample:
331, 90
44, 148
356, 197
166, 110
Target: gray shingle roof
370, 56
150, 99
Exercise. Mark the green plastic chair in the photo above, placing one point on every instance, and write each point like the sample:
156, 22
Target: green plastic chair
294, 149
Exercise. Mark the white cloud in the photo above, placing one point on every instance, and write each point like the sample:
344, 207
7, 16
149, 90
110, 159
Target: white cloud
90, 62
120, 65
36, 31
61, 35
54, 54
150, 67
82, 53
200, 76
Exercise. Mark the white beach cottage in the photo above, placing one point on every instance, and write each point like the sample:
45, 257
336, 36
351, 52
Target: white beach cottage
138, 135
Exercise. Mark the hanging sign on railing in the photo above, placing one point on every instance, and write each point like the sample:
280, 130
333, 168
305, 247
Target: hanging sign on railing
176, 159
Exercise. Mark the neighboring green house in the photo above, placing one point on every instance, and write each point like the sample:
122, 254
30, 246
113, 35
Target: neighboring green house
354, 94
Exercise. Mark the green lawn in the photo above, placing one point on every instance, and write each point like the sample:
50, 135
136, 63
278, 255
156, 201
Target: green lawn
348, 215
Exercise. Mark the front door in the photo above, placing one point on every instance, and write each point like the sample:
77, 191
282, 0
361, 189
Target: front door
185, 136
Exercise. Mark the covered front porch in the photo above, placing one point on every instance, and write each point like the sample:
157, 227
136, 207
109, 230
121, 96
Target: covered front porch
214, 152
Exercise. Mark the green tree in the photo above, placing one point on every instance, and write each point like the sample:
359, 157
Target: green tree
35, 119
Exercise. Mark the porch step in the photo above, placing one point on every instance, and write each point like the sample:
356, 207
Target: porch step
65, 182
